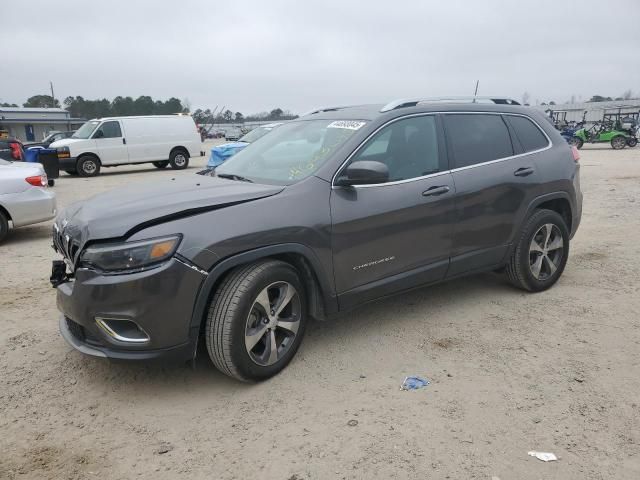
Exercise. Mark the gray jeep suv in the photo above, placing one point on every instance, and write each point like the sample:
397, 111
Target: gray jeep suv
340, 207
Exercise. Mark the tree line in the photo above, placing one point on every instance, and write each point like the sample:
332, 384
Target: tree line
627, 95
227, 116
80, 107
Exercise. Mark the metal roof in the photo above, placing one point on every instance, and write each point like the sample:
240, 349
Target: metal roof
32, 110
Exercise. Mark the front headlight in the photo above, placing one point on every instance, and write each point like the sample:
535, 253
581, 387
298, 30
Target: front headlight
63, 152
130, 256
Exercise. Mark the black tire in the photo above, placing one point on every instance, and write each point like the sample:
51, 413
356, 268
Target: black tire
524, 259
632, 141
88, 166
4, 226
162, 164
179, 159
231, 320
618, 143
578, 142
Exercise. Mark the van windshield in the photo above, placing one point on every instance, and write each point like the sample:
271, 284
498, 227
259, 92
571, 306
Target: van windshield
291, 152
86, 130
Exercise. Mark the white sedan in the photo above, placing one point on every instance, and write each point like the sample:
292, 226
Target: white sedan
24, 196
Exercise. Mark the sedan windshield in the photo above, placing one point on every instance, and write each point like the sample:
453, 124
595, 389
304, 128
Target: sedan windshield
291, 152
86, 130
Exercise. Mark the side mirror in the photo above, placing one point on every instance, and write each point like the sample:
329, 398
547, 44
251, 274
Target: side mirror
364, 172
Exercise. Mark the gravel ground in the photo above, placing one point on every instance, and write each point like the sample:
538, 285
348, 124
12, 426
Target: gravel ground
511, 372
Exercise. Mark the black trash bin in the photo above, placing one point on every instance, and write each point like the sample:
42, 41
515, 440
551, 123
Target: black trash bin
48, 157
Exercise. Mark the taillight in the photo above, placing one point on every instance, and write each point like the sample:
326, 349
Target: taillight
37, 180
16, 151
575, 153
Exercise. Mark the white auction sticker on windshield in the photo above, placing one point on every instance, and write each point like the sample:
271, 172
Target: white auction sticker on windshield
348, 124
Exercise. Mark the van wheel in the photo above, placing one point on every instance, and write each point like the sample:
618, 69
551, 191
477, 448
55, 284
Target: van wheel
88, 166
179, 159
162, 164
4, 226
541, 253
256, 320
618, 143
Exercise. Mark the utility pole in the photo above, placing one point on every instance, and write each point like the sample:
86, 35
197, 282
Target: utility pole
53, 97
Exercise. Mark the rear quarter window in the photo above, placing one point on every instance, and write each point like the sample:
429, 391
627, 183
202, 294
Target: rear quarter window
528, 133
477, 138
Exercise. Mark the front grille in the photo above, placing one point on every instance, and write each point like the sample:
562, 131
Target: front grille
81, 333
65, 245
76, 330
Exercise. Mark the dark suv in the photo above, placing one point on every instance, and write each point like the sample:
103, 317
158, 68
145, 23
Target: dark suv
343, 206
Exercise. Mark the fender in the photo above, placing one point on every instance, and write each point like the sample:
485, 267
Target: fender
539, 201
327, 295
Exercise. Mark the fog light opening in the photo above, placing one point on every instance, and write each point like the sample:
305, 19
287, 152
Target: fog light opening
123, 330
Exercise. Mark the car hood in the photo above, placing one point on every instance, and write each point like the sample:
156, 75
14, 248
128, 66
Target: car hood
65, 142
121, 212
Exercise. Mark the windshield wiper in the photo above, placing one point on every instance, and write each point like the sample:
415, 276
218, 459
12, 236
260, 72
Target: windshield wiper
231, 176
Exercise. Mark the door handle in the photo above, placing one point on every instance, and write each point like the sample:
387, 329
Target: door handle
124, 140
523, 172
434, 191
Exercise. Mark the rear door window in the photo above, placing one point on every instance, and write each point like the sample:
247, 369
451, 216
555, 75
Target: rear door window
530, 136
477, 138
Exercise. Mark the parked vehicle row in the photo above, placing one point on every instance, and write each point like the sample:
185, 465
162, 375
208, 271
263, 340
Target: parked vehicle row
107, 142
340, 207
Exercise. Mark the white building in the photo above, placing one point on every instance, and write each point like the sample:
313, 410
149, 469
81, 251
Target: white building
33, 124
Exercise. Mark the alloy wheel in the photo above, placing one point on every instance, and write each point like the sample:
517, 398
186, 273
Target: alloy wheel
273, 323
546, 251
89, 167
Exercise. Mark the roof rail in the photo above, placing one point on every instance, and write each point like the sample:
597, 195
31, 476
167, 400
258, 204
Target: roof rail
324, 109
412, 102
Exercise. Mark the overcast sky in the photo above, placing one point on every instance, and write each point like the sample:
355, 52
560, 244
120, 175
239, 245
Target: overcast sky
255, 55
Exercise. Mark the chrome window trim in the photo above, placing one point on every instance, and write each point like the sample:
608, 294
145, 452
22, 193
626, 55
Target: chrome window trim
453, 170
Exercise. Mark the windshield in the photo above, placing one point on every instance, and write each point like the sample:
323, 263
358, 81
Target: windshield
255, 134
291, 152
86, 130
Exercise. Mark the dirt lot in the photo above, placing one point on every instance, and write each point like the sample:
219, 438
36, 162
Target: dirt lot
511, 372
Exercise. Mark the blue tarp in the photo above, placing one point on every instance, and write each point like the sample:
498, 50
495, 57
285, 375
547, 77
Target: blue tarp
221, 153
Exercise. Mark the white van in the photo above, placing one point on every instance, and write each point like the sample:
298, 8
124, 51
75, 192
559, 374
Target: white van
105, 142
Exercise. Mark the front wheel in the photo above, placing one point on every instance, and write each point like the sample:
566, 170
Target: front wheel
88, 166
179, 160
162, 164
541, 253
256, 320
618, 143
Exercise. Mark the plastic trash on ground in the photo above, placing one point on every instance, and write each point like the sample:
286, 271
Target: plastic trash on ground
544, 456
414, 383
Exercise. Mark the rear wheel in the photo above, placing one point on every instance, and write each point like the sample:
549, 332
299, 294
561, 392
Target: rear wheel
179, 159
541, 254
618, 143
256, 320
4, 226
162, 164
632, 141
88, 166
